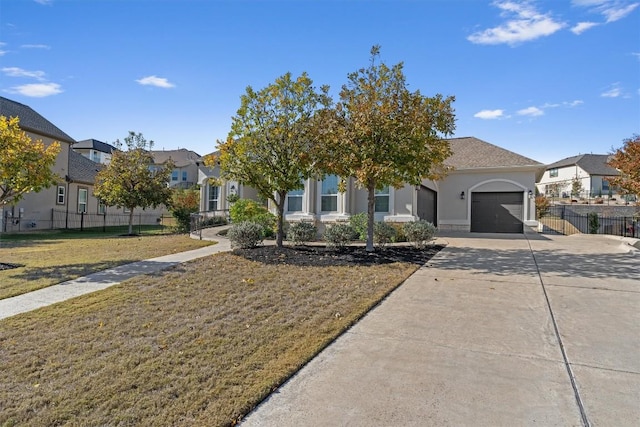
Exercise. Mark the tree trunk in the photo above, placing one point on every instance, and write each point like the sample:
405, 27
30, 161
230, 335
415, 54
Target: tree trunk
280, 218
130, 221
371, 204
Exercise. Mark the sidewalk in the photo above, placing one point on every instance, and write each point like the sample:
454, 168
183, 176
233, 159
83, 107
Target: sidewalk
106, 278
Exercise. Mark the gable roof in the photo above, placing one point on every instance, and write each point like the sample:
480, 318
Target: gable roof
181, 157
82, 169
474, 153
31, 121
593, 164
94, 144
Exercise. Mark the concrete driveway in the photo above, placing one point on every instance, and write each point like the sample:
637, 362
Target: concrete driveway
497, 330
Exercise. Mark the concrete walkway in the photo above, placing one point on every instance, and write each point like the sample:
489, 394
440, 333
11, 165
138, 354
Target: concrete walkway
103, 279
496, 330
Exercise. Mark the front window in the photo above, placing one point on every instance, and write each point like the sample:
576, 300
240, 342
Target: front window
184, 176
553, 173
294, 200
213, 198
60, 196
329, 198
82, 200
605, 185
174, 176
382, 200
102, 208
95, 156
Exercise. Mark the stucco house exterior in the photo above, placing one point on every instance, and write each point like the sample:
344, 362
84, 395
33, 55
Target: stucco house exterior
97, 151
488, 189
185, 172
591, 170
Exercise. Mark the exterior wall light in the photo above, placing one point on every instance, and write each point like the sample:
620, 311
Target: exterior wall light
462, 195
530, 194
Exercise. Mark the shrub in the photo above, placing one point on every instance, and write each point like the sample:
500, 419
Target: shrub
594, 222
338, 235
213, 221
398, 226
419, 232
249, 210
358, 223
542, 206
183, 204
302, 232
245, 235
383, 233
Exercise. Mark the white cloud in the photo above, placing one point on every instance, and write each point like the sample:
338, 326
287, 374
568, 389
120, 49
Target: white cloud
524, 23
573, 103
618, 11
45, 2
155, 81
636, 54
611, 10
2, 52
489, 114
37, 90
35, 46
19, 72
581, 27
614, 91
531, 112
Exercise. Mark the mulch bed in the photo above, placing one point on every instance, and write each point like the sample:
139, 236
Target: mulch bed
6, 266
319, 256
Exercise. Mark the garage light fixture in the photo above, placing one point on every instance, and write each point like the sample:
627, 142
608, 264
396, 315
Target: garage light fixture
462, 195
530, 194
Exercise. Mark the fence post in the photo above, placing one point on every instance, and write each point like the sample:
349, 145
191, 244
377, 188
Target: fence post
104, 221
81, 221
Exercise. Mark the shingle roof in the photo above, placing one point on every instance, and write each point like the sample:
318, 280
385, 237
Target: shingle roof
94, 144
181, 157
593, 164
472, 153
82, 169
32, 121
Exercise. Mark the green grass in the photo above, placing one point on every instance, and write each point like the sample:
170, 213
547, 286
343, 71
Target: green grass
53, 257
200, 344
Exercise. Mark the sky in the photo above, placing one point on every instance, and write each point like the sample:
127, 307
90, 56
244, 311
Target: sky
545, 79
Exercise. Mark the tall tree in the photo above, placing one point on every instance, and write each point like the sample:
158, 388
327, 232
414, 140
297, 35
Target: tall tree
25, 165
627, 160
383, 134
269, 145
130, 180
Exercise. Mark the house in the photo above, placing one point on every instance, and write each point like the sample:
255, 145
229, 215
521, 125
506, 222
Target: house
590, 170
35, 209
488, 189
92, 149
185, 172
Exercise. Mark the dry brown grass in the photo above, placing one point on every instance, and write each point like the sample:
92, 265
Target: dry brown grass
200, 344
48, 259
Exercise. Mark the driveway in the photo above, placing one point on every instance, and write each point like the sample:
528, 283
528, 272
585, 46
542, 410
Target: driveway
496, 330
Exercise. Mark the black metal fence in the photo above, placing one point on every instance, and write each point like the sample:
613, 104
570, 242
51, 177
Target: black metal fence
562, 220
84, 221
208, 219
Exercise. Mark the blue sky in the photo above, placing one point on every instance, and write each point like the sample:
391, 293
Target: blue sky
546, 79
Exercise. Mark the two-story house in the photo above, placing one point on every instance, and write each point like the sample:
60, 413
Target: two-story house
185, 172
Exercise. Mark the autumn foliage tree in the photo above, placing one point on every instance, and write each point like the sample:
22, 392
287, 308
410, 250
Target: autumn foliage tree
270, 143
627, 161
130, 180
382, 134
184, 202
25, 165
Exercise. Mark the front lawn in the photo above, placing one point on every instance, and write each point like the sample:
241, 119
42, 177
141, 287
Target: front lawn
45, 259
199, 344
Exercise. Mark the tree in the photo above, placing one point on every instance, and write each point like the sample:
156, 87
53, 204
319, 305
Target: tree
270, 144
131, 181
576, 187
382, 134
627, 160
25, 165
183, 204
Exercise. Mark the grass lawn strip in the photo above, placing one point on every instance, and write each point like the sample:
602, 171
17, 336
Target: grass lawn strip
49, 259
200, 344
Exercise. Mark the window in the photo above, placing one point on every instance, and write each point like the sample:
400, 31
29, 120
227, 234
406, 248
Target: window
102, 208
95, 156
553, 173
174, 176
213, 198
382, 200
184, 176
294, 200
605, 185
329, 195
82, 200
60, 196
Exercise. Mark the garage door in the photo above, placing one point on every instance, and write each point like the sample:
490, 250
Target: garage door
497, 212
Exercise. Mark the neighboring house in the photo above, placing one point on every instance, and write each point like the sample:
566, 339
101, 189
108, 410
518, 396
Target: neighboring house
35, 209
591, 170
185, 172
488, 189
97, 151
